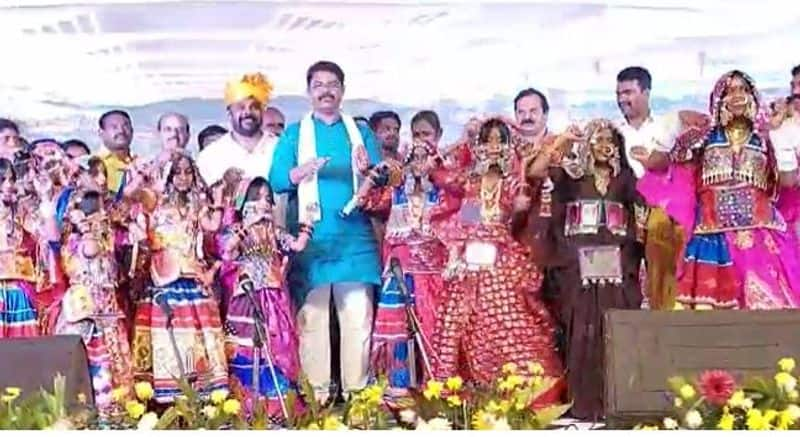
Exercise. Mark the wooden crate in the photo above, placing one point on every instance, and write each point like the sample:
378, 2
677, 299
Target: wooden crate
645, 348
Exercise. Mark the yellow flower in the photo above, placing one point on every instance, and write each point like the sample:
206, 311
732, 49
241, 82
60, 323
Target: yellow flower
210, 411
218, 396
515, 380
454, 383
81, 398
509, 368
332, 423
536, 381
135, 409
313, 427
231, 406
648, 428
687, 392
493, 407
144, 391
784, 420
13, 392
726, 422
793, 395
756, 421
678, 306
454, 400
786, 364
373, 394
482, 420
738, 400
433, 390
535, 368
786, 382
119, 394
770, 415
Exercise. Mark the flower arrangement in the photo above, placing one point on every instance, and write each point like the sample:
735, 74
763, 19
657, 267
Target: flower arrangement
714, 400
442, 405
508, 404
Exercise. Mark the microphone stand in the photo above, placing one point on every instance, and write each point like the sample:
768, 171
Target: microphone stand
260, 340
160, 300
413, 321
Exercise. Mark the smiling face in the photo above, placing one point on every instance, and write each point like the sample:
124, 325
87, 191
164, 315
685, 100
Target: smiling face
116, 132
245, 117
602, 144
738, 101
632, 100
174, 132
326, 91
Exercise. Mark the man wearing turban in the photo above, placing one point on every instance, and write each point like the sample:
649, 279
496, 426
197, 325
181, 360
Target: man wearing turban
247, 147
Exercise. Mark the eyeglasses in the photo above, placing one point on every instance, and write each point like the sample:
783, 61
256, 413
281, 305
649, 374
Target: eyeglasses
329, 85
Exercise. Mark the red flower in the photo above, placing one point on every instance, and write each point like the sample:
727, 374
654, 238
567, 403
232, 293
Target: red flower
716, 386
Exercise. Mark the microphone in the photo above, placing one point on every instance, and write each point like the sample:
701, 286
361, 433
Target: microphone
351, 206
246, 284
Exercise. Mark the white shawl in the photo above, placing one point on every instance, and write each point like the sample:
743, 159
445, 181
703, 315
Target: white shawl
308, 191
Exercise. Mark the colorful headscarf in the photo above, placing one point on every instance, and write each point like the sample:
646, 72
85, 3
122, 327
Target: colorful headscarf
254, 85
761, 121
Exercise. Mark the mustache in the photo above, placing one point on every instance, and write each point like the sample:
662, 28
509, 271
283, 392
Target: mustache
247, 117
326, 95
527, 121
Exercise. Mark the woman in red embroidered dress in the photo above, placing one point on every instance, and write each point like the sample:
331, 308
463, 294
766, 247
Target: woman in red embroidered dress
491, 313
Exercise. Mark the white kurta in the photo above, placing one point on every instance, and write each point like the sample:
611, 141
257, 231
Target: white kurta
226, 153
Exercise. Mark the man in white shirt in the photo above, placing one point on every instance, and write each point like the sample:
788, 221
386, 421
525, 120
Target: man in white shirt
785, 137
247, 147
644, 134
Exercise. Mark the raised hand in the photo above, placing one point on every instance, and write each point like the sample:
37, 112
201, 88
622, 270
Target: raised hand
307, 170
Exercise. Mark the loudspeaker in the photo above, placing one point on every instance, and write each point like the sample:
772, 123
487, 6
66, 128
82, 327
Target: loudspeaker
645, 348
32, 363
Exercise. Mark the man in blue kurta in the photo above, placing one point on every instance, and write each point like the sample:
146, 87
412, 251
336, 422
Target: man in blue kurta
318, 161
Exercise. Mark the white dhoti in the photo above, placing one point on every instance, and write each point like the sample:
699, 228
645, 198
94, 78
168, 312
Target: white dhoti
354, 309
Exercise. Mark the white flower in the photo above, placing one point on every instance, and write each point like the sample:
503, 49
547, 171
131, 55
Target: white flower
148, 421
747, 404
500, 425
794, 411
435, 424
670, 423
408, 416
693, 419
210, 411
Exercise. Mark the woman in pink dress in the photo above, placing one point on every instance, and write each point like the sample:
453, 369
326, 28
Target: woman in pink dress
741, 254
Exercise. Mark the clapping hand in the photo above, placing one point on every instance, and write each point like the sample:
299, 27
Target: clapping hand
307, 170
640, 153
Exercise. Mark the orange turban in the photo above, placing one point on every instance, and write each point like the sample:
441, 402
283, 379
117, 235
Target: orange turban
250, 85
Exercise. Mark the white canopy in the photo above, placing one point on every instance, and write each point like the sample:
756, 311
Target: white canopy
91, 53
